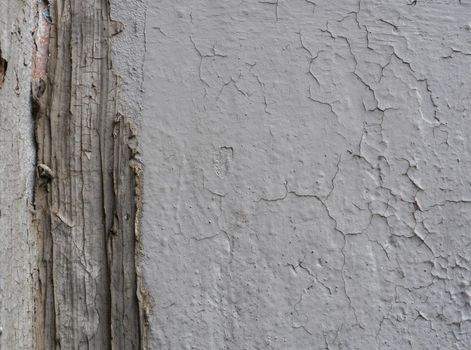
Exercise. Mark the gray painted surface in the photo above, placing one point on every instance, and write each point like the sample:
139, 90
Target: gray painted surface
16, 174
307, 174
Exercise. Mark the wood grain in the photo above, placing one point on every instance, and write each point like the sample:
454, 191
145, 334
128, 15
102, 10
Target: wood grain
87, 208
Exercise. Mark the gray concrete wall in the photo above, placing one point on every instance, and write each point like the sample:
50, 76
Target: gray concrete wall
307, 174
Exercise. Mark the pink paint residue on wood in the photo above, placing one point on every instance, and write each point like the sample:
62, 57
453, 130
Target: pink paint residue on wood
41, 44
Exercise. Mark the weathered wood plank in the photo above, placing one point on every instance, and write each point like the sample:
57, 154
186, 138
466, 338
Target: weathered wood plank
86, 206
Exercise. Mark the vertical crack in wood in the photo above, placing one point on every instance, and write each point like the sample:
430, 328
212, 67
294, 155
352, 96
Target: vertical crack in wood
87, 195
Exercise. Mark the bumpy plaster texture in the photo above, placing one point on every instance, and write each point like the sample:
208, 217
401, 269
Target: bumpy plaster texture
307, 174
16, 177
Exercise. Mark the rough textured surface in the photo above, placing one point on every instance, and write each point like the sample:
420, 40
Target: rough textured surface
87, 195
307, 174
16, 178
127, 55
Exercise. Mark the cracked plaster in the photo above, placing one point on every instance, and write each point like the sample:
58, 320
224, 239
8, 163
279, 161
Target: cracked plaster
307, 174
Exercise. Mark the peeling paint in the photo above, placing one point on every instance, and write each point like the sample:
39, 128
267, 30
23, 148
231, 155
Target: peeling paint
17, 159
339, 217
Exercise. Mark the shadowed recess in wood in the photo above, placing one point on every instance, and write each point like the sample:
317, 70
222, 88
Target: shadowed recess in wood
3, 69
87, 197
